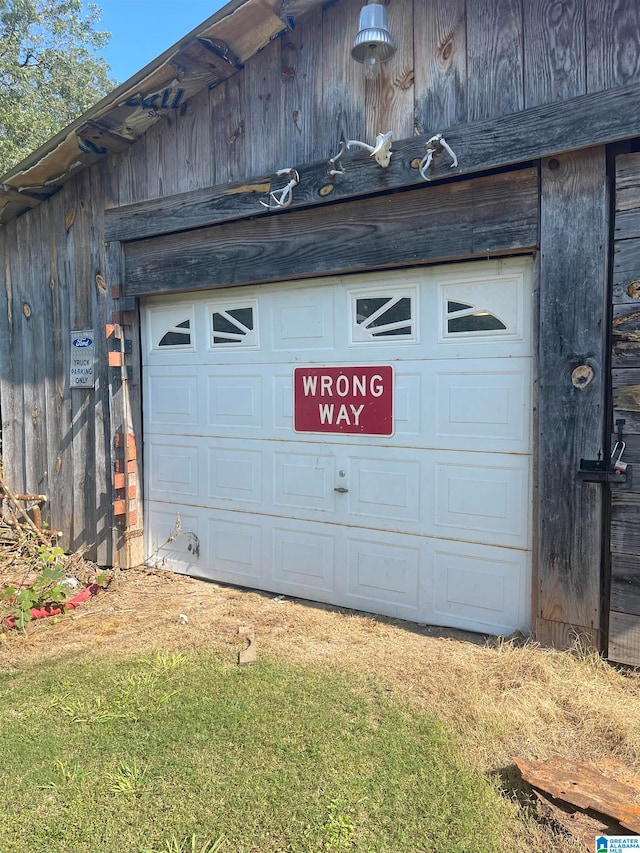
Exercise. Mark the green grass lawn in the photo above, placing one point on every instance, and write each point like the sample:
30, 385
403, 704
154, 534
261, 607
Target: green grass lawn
112, 756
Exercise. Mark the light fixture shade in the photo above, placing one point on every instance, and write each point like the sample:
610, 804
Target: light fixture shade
373, 33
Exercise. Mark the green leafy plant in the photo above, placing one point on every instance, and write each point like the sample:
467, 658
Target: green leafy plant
47, 590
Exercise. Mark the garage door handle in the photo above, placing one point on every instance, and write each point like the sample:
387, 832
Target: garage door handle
340, 489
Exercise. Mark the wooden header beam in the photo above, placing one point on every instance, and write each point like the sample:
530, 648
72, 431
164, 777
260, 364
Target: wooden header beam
493, 214
594, 119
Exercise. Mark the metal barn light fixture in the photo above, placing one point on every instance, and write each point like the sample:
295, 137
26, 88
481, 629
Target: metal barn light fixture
373, 45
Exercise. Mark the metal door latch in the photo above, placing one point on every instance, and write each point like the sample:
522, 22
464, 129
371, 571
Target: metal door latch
613, 470
341, 489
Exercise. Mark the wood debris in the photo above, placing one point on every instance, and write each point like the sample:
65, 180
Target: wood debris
583, 799
247, 655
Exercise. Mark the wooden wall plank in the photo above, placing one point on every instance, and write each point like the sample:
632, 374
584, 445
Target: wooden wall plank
302, 91
33, 333
59, 430
573, 241
343, 87
103, 519
162, 157
500, 214
264, 122
554, 51
228, 130
193, 144
12, 365
626, 257
624, 638
627, 170
81, 398
494, 58
133, 168
440, 38
627, 225
45, 356
626, 335
125, 415
390, 99
626, 291
625, 583
625, 523
563, 635
613, 43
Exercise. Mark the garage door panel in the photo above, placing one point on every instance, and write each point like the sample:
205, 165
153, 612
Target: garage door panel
481, 498
485, 409
234, 547
384, 573
303, 320
172, 398
303, 480
235, 401
235, 474
479, 586
384, 490
409, 413
173, 538
174, 469
303, 560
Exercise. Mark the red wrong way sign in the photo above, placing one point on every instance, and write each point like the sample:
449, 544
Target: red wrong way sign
343, 400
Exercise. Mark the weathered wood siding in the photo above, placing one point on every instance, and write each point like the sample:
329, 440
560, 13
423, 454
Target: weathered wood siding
570, 413
458, 62
624, 612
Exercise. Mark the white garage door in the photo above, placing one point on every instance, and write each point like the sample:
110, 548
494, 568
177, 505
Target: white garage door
430, 523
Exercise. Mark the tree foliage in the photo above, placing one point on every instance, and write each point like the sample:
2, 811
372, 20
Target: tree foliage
50, 71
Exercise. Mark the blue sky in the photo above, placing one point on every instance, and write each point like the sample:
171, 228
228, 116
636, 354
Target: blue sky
142, 29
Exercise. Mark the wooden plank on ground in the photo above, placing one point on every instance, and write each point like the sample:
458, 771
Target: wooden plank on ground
581, 825
493, 214
580, 784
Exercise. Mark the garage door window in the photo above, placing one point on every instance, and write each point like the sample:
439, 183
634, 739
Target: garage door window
489, 309
171, 328
234, 326
383, 315
468, 318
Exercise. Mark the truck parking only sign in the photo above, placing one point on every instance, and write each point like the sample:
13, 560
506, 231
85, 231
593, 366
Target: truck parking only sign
343, 400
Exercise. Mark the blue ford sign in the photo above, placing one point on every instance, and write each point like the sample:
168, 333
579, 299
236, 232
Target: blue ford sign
82, 342
81, 369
